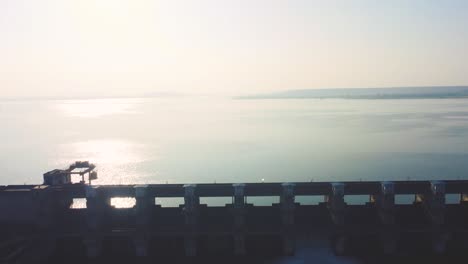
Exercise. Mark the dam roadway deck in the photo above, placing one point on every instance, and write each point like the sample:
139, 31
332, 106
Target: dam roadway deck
40, 219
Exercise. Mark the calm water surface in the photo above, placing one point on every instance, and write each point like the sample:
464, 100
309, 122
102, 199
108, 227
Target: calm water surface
181, 140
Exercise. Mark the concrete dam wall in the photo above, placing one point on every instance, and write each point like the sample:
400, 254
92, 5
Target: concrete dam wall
43, 215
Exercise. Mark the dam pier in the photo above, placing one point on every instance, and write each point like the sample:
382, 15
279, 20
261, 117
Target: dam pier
43, 216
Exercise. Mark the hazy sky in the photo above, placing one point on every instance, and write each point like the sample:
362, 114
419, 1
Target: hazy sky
114, 47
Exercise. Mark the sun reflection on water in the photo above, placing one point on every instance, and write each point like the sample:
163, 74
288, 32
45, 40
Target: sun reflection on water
118, 202
123, 202
117, 160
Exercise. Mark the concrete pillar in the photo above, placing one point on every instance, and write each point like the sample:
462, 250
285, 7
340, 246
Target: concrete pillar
287, 204
190, 245
434, 205
385, 203
439, 241
191, 206
141, 246
239, 219
436, 210
96, 208
434, 202
438, 201
143, 206
44, 206
93, 245
92, 208
239, 206
336, 204
340, 245
388, 239
239, 244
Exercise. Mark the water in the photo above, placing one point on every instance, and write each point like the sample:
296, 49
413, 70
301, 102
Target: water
180, 140
195, 139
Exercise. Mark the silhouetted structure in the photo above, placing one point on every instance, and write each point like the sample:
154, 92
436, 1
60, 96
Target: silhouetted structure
42, 215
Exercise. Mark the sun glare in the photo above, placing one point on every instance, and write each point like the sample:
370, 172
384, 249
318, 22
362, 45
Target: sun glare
117, 160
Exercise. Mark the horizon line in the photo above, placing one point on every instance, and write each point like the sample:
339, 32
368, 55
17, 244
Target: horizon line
177, 94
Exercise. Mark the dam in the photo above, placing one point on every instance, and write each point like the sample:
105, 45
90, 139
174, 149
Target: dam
40, 220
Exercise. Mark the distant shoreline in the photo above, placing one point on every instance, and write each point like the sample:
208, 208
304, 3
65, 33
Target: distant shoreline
351, 98
388, 93
384, 93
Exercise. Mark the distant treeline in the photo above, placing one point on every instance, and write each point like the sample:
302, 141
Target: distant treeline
369, 93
